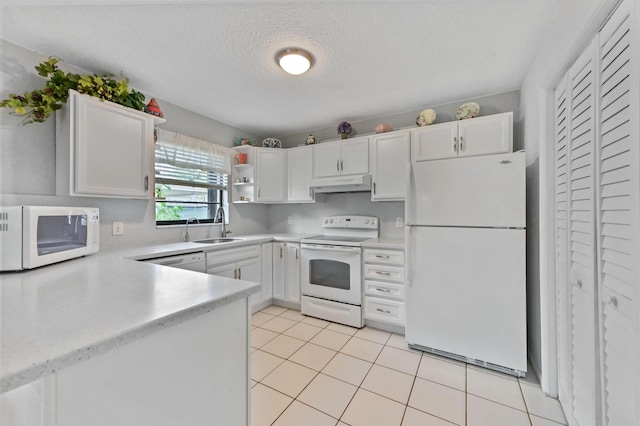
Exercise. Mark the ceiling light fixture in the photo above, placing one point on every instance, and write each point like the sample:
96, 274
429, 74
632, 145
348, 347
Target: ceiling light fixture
294, 61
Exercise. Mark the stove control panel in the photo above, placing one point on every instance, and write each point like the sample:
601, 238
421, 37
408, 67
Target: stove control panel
360, 222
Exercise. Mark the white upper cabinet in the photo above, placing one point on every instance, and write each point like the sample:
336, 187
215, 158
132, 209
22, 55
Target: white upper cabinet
389, 158
340, 158
300, 173
271, 175
434, 142
103, 149
492, 134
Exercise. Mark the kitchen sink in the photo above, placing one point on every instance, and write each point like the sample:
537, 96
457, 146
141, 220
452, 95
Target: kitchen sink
218, 240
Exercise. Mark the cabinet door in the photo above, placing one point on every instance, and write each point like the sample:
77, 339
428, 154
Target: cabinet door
389, 158
354, 156
278, 271
300, 173
292, 272
229, 271
249, 270
492, 134
270, 175
434, 142
112, 149
326, 159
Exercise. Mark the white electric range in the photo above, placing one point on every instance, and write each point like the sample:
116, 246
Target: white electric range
331, 269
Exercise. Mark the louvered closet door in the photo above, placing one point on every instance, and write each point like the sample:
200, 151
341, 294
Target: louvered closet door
581, 83
617, 192
562, 282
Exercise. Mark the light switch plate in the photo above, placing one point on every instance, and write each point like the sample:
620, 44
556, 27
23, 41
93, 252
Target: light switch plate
399, 223
118, 228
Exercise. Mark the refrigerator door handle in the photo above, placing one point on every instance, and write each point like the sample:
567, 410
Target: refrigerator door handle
409, 197
407, 256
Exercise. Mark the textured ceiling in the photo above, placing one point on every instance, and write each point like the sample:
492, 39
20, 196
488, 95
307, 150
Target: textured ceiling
372, 58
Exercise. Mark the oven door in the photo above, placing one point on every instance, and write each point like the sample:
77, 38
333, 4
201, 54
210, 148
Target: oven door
331, 272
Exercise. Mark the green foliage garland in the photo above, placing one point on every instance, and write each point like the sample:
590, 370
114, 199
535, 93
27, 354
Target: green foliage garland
36, 106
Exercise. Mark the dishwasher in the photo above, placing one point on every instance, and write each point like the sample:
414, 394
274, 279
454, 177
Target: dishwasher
189, 261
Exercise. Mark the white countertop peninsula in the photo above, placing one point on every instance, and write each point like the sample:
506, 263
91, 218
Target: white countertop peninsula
60, 315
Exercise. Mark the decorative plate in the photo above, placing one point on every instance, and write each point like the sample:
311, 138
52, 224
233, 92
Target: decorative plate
468, 110
271, 143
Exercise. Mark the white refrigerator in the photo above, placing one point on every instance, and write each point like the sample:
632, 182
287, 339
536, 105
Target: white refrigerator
465, 235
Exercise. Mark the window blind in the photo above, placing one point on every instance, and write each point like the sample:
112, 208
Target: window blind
181, 159
188, 152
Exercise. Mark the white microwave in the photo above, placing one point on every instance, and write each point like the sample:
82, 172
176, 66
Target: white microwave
33, 236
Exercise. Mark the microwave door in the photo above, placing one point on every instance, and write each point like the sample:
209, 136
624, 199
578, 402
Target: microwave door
61, 233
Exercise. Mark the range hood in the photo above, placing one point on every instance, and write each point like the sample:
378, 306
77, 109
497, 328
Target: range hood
356, 183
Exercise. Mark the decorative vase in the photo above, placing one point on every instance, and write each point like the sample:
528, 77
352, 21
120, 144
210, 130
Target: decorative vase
344, 135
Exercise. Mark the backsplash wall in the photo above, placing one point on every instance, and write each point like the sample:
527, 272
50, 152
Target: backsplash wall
307, 218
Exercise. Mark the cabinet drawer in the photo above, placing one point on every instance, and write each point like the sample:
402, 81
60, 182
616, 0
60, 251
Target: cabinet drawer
390, 257
384, 310
221, 257
377, 288
382, 272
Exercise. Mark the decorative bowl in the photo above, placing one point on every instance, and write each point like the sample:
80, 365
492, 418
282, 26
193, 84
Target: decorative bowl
468, 110
383, 127
426, 117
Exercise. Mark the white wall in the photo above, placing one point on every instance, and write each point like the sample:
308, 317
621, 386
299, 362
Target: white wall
573, 25
27, 156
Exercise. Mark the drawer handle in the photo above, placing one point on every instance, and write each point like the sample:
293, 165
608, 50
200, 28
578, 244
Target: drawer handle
382, 256
383, 290
578, 283
384, 311
611, 300
383, 273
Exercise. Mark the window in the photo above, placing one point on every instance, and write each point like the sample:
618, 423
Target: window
191, 178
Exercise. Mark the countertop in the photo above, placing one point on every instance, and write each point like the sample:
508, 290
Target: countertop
390, 243
62, 314
59, 315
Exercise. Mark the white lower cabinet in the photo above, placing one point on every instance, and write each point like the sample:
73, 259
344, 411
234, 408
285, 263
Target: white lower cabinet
286, 272
192, 373
242, 263
384, 291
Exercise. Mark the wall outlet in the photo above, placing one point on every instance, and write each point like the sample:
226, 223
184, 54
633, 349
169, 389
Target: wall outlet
290, 220
399, 222
118, 228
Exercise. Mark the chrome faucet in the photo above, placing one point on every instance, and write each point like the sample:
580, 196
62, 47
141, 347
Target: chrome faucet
219, 218
186, 230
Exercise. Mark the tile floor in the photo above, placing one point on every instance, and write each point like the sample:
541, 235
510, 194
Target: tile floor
310, 372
